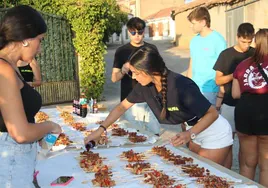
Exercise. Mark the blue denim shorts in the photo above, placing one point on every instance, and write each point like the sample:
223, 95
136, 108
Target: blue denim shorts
141, 114
17, 163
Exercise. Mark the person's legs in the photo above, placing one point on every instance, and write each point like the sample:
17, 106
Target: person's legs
135, 115
263, 159
228, 113
151, 123
229, 160
194, 147
259, 127
248, 155
141, 114
217, 155
215, 141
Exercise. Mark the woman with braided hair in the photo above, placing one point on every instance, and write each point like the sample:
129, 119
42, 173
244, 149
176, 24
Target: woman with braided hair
174, 99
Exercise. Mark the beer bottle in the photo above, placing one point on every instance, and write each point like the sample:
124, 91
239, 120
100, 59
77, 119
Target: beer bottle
74, 111
80, 109
84, 110
95, 106
76, 107
90, 145
91, 105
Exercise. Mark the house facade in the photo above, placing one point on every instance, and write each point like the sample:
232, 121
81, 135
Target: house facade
149, 7
226, 16
161, 25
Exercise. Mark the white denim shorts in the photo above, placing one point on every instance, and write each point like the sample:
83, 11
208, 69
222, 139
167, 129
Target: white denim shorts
17, 163
218, 135
228, 113
141, 114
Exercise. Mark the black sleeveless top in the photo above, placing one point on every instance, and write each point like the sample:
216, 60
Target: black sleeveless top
32, 102
27, 73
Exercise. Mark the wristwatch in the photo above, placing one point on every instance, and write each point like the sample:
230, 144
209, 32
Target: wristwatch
192, 135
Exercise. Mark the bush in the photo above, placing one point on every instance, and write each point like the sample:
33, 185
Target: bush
89, 20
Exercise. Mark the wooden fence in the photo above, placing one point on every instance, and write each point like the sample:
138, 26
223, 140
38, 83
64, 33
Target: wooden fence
58, 91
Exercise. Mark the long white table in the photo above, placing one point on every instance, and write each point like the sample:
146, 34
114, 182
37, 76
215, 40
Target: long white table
64, 163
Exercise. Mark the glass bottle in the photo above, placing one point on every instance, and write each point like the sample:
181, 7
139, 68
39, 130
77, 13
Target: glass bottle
95, 106
90, 145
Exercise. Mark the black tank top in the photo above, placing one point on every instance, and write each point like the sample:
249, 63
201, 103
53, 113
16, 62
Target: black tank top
32, 102
27, 73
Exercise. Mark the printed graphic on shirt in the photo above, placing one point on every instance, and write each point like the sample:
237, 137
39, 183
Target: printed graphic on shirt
253, 78
25, 70
172, 109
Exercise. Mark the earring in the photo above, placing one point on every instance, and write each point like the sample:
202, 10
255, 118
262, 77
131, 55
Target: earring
25, 43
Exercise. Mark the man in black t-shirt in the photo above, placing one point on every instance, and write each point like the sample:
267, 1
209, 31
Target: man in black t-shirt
225, 66
174, 99
136, 27
120, 72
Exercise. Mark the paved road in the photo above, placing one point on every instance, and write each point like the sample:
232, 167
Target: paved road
176, 59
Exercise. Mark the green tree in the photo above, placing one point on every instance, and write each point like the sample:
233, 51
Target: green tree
117, 19
92, 21
8, 3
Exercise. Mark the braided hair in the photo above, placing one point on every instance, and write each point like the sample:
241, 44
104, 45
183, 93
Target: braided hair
148, 60
164, 93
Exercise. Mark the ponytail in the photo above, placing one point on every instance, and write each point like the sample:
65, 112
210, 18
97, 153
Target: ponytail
164, 93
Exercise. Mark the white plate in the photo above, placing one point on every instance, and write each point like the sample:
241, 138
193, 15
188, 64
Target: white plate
59, 147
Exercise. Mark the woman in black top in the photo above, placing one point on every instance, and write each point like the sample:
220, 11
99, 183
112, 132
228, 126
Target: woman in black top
174, 99
18, 101
30, 72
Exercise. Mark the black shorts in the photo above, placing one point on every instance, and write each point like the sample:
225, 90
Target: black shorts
251, 114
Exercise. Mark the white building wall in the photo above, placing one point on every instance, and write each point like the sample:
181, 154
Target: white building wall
168, 28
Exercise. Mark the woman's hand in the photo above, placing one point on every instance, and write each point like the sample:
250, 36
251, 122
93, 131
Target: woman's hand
181, 138
56, 128
30, 84
94, 135
125, 68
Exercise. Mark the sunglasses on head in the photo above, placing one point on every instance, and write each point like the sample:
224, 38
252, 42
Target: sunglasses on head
140, 32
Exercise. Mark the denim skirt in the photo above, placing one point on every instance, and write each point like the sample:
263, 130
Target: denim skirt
17, 163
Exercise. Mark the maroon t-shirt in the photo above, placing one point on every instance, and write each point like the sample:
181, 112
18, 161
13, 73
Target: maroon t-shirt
249, 78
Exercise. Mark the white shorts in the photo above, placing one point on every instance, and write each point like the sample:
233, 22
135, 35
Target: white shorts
141, 114
228, 113
218, 135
